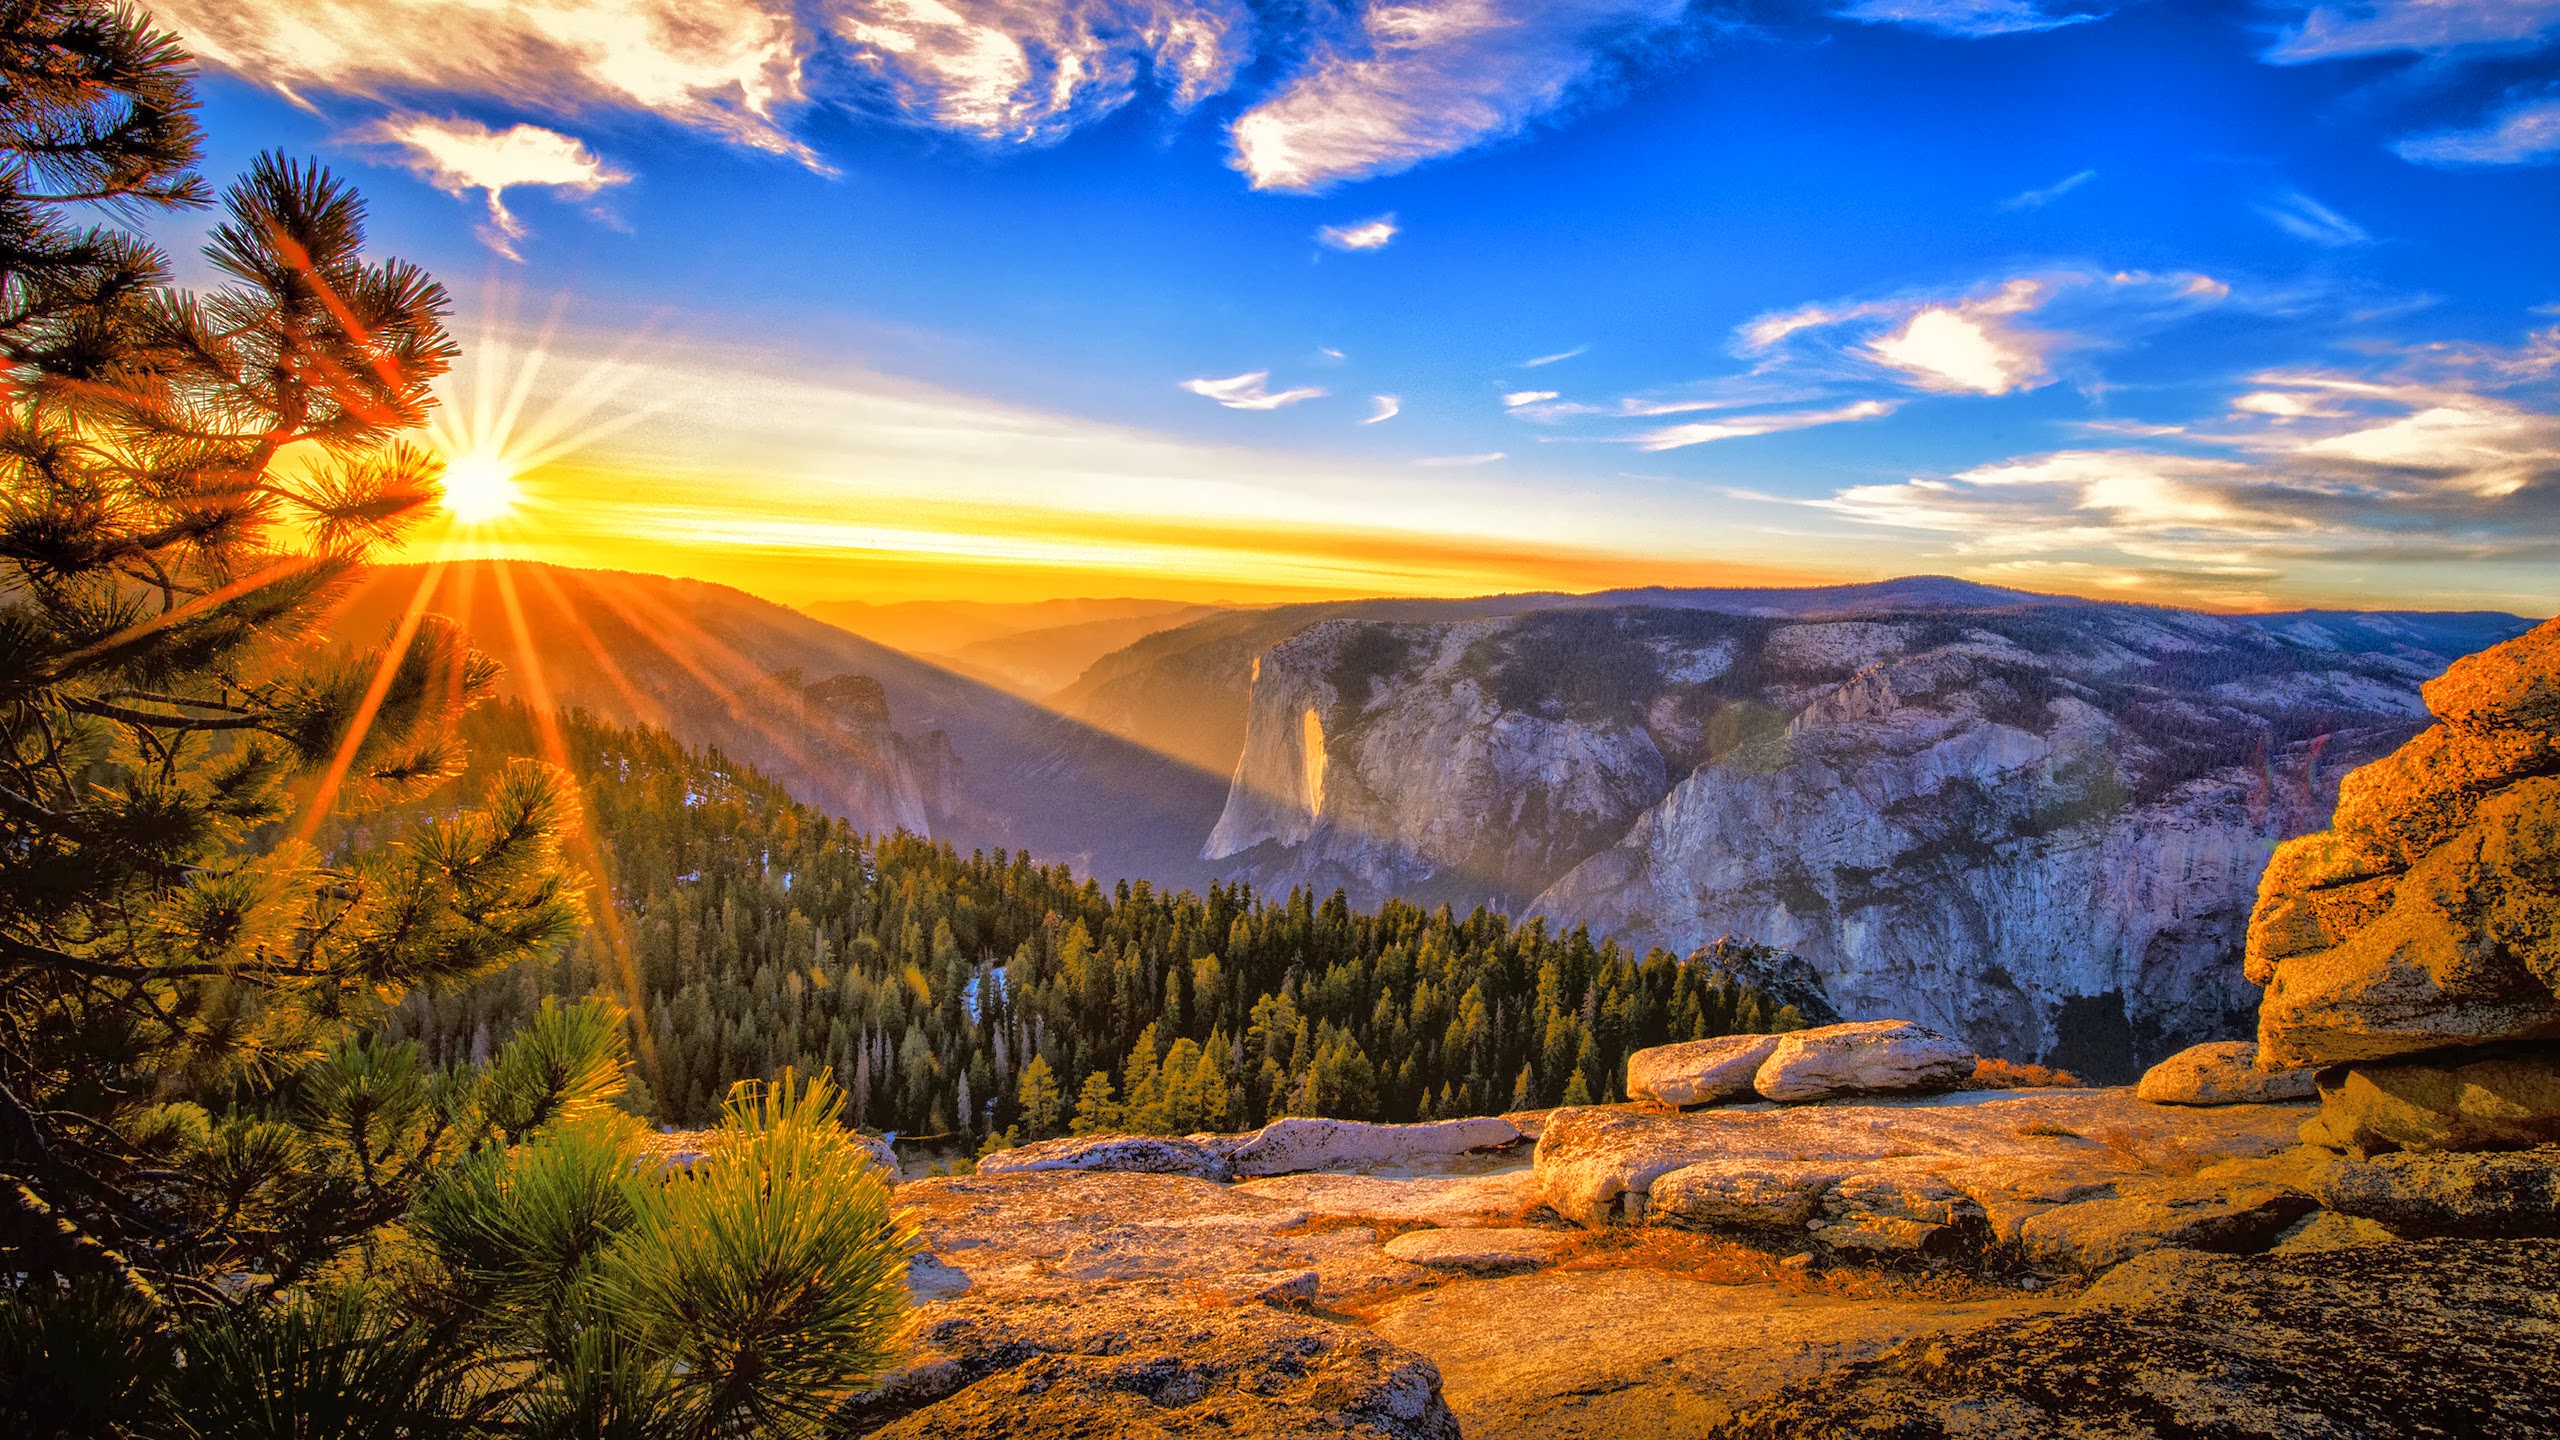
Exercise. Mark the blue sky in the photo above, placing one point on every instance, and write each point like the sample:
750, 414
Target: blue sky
2237, 305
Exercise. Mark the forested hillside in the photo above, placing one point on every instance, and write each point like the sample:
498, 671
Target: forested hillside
987, 993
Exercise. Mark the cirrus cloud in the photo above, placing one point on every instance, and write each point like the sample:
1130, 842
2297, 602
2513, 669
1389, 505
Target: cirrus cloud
1967, 19
1425, 78
1979, 342
1251, 391
1371, 234
458, 156
2526, 134
724, 66
2428, 464
1028, 71
2427, 27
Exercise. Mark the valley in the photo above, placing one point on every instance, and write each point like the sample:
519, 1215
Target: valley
2036, 822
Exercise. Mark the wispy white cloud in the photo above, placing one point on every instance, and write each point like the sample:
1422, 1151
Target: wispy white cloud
1674, 437
1027, 71
2429, 463
1971, 346
1486, 458
1560, 355
1970, 19
724, 66
1372, 234
459, 156
2526, 134
2304, 218
2038, 199
1383, 407
1251, 391
1424, 78
2328, 32
1517, 398
1997, 338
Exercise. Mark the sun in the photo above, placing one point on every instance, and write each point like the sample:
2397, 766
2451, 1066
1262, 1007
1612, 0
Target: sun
479, 487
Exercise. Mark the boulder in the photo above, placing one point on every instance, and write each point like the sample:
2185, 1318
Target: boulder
881, 1152
1483, 1251
2223, 1072
1698, 1072
1133, 1154
1865, 1058
2428, 916
2008, 1154
1299, 1143
1744, 1193
2493, 1099
1147, 1362
2391, 1342
2499, 1193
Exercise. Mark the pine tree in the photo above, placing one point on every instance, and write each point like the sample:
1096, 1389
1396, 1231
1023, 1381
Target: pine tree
1096, 1112
241, 1206
1039, 1098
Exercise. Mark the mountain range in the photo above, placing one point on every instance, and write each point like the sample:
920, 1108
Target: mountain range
2034, 821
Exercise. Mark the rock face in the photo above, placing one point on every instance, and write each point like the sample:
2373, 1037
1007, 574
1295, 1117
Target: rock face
2428, 916
2074, 1180
2223, 1072
2038, 828
1698, 1072
2391, 1342
1868, 1058
2490, 1099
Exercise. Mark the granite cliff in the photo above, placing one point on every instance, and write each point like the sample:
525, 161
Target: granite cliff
2037, 826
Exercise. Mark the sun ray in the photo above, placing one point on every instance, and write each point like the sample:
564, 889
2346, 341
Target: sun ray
385, 670
582, 832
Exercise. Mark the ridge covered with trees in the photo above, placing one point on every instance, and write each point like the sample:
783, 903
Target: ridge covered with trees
985, 994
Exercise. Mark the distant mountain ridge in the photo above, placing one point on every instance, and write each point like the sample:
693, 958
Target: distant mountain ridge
2038, 824
917, 745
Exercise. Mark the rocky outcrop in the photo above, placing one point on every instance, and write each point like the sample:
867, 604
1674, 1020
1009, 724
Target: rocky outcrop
1698, 1072
2392, 1342
2493, 1098
1299, 1143
1867, 1058
1283, 1147
1148, 1362
2223, 1072
2428, 916
2510, 1193
1201, 1159
2072, 1180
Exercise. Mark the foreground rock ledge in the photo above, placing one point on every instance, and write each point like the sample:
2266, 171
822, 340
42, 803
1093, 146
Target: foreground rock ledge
1144, 1362
2395, 1342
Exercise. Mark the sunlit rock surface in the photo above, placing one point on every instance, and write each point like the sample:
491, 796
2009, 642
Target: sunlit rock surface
2428, 917
2223, 1072
2390, 1342
2075, 1179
